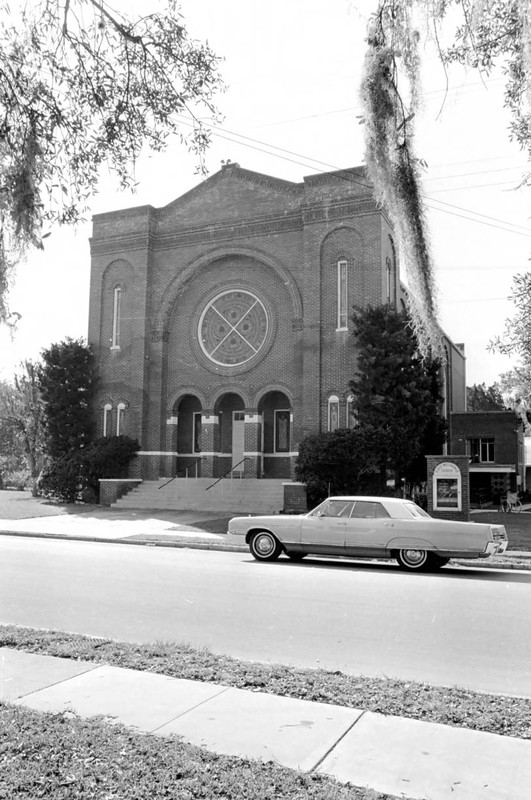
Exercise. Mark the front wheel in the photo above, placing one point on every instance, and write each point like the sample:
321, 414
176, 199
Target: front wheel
410, 559
264, 546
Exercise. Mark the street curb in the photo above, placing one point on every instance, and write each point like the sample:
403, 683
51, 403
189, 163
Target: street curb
222, 547
141, 542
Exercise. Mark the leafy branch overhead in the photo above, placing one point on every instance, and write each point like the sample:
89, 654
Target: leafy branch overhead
81, 87
488, 33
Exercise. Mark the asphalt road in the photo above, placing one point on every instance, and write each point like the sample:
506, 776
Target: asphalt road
465, 627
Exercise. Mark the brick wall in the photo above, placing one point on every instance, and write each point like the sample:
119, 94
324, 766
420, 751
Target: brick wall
502, 426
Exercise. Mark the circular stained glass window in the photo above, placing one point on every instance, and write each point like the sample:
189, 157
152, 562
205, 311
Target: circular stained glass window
233, 328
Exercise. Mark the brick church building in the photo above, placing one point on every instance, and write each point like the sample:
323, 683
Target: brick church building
220, 322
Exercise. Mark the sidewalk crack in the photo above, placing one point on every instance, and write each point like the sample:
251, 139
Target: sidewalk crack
332, 747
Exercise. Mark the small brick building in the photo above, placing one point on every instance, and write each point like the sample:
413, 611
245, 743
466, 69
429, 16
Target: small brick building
220, 322
494, 444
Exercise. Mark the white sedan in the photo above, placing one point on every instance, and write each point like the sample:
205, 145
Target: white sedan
368, 527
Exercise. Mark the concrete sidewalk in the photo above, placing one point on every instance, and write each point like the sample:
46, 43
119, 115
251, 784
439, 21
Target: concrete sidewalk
198, 529
402, 757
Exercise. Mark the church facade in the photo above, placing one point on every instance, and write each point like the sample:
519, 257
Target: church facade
220, 323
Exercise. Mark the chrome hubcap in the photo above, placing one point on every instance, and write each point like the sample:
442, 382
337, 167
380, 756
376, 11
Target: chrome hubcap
264, 545
414, 557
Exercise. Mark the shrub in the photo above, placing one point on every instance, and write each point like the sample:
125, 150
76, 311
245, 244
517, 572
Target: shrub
17, 479
76, 476
339, 462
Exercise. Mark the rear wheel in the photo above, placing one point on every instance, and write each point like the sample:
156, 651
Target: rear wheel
411, 559
264, 546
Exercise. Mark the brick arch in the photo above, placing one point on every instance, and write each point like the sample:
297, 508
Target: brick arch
177, 396
333, 234
216, 396
171, 293
273, 387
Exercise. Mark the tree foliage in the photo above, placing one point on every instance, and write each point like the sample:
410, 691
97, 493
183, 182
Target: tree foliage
75, 476
67, 383
21, 419
480, 397
83, 86
340, 462
515, 387
396, 393
489, 33
516, 338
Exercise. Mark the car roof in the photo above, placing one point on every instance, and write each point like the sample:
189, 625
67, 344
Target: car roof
370, 498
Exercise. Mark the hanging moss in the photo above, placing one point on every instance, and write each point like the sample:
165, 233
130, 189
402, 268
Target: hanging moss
391, 163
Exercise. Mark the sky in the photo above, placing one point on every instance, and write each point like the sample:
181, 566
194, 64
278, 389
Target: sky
291, 108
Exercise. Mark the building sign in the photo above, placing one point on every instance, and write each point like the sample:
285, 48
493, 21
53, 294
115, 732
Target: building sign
447, 488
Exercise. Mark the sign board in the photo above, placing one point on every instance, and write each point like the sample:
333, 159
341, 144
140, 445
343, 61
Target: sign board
447, 487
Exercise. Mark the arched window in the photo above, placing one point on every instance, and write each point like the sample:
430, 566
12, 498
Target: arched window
107, 411
342, 295
352, 414
120, 418
116, 314
333, 412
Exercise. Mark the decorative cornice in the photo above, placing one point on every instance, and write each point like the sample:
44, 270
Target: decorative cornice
225, 231
120, 243
342, 209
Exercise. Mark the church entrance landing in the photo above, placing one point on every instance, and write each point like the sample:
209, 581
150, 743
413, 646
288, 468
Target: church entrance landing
230, 438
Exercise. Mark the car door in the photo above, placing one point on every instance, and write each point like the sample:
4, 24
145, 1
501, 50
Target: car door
323, 530
368, 528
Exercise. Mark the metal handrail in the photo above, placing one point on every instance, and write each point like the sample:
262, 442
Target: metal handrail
227, 472
194, 463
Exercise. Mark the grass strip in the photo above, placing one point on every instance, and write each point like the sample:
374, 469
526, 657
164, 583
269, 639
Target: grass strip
503, 715
63, 757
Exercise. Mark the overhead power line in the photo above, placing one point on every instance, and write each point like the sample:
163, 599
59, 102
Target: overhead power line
284, 154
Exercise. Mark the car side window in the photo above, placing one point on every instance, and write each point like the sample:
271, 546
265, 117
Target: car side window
364, 509
336, 508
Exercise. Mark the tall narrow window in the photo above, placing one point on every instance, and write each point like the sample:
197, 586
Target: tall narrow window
282, 430
107, 411
352, 414
333, 413
120, 418
342, 293
197, 422
116, 313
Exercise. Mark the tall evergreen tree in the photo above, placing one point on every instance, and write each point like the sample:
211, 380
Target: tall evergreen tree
396, 392
67, 382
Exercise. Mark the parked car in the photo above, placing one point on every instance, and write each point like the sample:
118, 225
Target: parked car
368, 527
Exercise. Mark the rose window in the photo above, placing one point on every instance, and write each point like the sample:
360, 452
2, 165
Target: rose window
233, 328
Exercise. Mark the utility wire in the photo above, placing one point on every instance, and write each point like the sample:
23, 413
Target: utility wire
252, 143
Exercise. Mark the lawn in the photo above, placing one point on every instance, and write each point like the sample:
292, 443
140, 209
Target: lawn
62, 757
507, 716
518, 526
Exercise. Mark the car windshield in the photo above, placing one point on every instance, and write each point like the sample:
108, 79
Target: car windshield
413, 510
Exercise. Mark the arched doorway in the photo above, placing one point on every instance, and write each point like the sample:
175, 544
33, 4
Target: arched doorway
230, 411
188, 439
276, 412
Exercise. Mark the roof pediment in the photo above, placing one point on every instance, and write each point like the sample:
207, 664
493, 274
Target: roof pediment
230, 195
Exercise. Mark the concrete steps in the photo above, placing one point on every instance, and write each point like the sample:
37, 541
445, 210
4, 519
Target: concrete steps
249, 495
